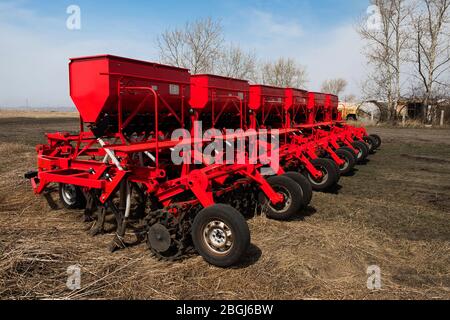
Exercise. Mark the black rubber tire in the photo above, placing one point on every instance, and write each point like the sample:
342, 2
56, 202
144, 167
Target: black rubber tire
350, 161
351, 152
304, 184
236, 223
378, 141
331, 175
78, 199
363, 151
371, 143
338, 170
294, 200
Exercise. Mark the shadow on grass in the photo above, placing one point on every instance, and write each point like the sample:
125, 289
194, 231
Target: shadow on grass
305, 213
334, 189
364, 162
252, 256
351, 173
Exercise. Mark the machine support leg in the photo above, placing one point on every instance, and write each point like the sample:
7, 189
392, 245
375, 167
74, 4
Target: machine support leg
90, 208
335, 157
100, 223
119, 214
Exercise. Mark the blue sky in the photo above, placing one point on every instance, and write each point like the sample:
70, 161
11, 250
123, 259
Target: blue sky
35, 44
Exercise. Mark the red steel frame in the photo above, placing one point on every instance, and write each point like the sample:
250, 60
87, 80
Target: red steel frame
339, 123
266, 101
338, 131
59, 162
319, 127
300, 106
216, 94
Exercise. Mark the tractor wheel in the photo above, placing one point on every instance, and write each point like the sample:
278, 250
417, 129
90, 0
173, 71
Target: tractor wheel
351, 152
293, 200
220, 235
304, 185
71, 196
363, 151
371, 143
336, 167
330, 175
350, 161
378, 140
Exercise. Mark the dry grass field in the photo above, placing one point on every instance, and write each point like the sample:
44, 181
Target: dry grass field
36, 114
394, 212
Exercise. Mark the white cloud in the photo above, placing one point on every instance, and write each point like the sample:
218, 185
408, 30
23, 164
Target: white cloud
264, 23
13, 10
333, 54
327, 53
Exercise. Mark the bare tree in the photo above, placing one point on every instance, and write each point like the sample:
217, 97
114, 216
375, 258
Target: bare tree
197, 46
432, 49
350, 98
284, 73
235, 63
334, 86
387, 42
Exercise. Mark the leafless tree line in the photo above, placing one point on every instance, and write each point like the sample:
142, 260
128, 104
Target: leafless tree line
408, 50
334, 86
200, 46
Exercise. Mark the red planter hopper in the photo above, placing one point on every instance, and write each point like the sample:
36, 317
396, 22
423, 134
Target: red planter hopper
94, 85
334, 105
268, 104
316, 104
295, 105
331, 102
221, 102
